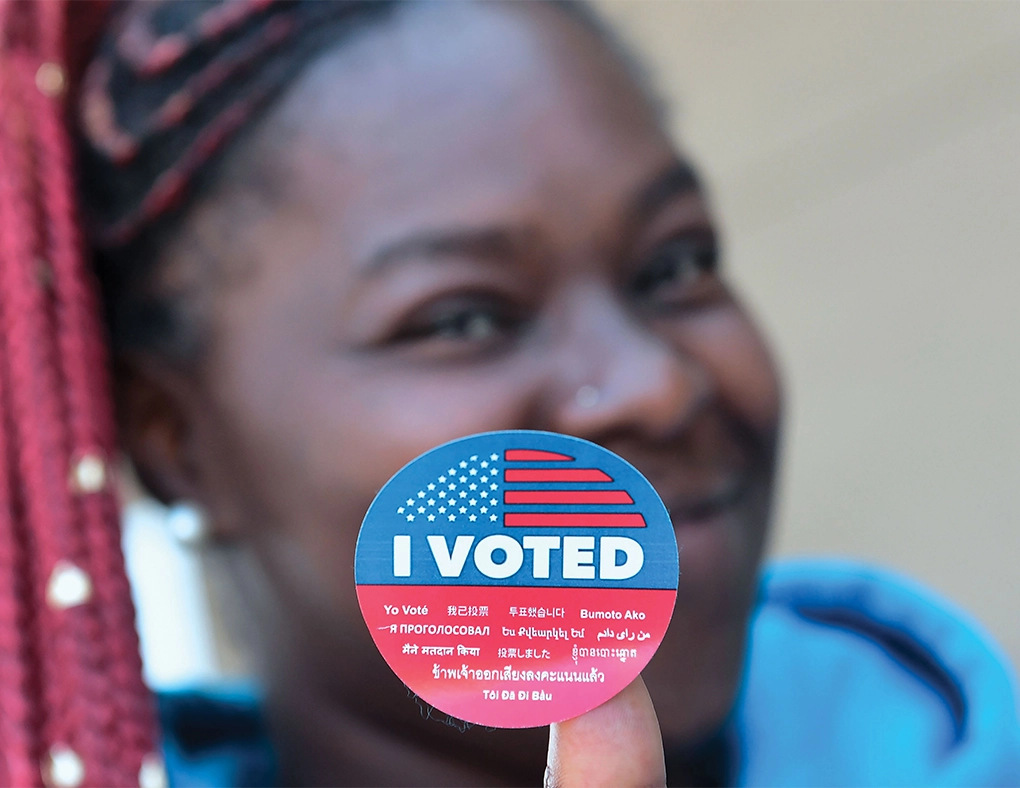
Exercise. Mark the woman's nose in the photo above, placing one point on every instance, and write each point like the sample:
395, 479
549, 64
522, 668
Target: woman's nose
613, 374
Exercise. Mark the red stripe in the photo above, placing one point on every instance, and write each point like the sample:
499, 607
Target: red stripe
555, 475
542, 519
534, 455
567, 496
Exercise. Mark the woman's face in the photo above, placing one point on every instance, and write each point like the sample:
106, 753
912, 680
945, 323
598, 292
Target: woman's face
465, 219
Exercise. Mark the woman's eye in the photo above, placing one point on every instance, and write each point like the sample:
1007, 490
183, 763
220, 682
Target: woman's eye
674, 269
474, 324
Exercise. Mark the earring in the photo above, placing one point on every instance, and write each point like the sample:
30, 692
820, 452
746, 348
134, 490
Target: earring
188, 523
587, 396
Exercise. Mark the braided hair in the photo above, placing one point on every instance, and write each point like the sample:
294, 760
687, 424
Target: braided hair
156, 90
172, 88
72, 703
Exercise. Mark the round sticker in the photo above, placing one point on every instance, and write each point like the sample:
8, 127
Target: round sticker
516, 579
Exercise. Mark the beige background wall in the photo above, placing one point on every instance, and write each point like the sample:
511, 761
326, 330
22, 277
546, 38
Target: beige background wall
864, 159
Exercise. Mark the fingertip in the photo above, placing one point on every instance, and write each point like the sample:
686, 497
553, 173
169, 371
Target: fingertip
615, 745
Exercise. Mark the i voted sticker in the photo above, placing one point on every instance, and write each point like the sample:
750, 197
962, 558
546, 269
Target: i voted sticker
516, 579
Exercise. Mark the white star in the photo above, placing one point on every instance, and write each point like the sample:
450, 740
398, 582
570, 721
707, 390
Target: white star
462, 494
484, 494
432, 518
410, 501
442, 510
493, 486
474, 457
452, 518
442, 479
410, 518
421, 493
452, 472
442, 493
493, 457
463, 510
485, 463
463, 479
473, 472
485, 479
421, 510
451, 486
432, 501
463, 464
432, 486
492, 517
484, 509
472, 486
400, 510
473, 502
472, 518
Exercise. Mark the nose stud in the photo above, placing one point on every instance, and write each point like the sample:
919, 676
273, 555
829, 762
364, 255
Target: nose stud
587, 396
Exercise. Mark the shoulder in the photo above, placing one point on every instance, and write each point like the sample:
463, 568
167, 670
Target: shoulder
215, 736
859, 676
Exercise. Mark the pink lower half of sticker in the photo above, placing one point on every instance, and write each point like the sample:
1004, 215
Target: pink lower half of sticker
516, 657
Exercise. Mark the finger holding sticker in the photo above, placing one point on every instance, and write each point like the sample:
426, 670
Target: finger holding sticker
518, 579
617, 745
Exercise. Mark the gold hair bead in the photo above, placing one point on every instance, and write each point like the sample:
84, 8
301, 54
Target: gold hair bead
69, 586
153, 772
64, 768
88, 474
50, 79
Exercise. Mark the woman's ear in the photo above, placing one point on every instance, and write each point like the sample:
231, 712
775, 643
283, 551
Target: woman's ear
156, 409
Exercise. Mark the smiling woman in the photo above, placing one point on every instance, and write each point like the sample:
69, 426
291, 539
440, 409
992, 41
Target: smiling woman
440, 257
434, 220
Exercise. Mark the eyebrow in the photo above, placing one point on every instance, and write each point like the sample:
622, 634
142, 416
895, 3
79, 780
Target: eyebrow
677, 179
490, 242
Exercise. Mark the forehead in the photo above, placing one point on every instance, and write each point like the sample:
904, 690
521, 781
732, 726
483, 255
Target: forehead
476, 106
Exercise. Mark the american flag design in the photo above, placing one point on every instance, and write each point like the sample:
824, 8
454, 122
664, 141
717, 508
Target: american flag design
469, 490
509, 489
515, 579
551, 480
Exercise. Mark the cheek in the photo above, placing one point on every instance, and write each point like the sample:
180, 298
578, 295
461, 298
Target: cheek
377, 423
317, 437
734, 352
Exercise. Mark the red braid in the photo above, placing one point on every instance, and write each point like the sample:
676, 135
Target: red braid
73, 708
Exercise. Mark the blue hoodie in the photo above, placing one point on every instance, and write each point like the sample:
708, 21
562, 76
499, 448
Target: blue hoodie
855, 677
860, 677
